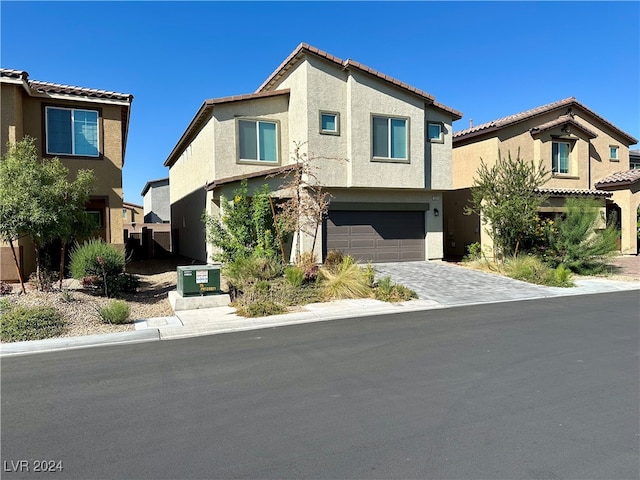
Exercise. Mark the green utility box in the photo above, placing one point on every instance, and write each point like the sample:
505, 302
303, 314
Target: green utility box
198, 280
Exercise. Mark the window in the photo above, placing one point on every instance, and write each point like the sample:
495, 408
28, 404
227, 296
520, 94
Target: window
95, 218
560, 157
390, 138
634, 163
435, 132
613, 153
124, 213
71, 131
258, 141
329, 123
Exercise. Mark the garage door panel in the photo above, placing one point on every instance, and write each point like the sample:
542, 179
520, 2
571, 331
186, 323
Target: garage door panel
377, 236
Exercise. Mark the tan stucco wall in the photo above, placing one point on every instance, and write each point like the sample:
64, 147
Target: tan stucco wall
11, 116
466, 160
628, 200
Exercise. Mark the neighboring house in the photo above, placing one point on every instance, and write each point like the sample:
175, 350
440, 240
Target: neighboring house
86, 128
385, 150
581, 149
157, 205
634, 159
132, 213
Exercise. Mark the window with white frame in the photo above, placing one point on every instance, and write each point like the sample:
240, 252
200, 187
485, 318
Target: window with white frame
390, 138
258, 140
560, 157
613, 153
330, 123
72, 131
435, 132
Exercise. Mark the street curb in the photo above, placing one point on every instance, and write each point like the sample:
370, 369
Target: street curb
70, 343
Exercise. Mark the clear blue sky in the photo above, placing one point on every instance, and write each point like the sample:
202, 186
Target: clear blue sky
486, 59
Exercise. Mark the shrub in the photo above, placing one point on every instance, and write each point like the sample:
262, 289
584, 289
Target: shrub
531, 269
23, 323
45, 281
345, 280
370, 273
295, 276
333, 258
244, 271
116, 311
95, 258
309, 265
5, 305
262, 308
5, 288
474, 252
387, 291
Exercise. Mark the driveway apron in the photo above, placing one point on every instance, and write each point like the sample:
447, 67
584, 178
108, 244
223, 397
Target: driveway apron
451, 284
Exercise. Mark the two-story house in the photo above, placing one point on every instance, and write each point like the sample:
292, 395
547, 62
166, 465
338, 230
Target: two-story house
382, 149
156, 202
85, 128
581, 149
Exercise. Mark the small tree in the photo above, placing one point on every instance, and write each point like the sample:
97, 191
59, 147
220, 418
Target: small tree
506, 197
246, 227
308, 204
578, 241
37, 200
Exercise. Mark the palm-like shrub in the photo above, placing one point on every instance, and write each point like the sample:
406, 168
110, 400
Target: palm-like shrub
102, 261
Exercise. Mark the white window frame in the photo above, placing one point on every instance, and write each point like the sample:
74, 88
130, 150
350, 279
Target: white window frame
336, 115
389, 158
258, 121
558, 172
616, 157
440, 138
73, 139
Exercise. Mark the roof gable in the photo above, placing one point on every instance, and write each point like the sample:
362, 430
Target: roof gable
567, 103
304, 49
619, 179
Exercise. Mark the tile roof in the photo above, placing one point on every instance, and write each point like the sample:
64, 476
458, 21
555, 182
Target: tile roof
526, 115
303, 48
619, 179
262, 173
635, 152
573, 192
58, 88
563, 120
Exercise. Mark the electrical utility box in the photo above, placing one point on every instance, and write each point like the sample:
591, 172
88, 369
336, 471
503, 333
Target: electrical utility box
198, 280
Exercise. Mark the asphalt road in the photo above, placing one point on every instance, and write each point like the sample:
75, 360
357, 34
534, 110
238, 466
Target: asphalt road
541, 389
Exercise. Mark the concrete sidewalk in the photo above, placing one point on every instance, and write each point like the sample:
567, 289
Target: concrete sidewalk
479, 288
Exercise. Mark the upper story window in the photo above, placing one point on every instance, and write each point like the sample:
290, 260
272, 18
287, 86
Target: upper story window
330, 123
72, 131
560, 157
634, 163
258, 140
435, 132
124, 213
390, 138
613, 153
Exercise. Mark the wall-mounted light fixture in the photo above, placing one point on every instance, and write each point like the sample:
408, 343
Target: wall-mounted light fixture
436, 212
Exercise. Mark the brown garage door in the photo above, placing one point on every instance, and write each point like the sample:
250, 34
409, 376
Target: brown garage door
377, 236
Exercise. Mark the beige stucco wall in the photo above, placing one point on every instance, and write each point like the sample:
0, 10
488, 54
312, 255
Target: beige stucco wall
628, 200
466, 160
11, 116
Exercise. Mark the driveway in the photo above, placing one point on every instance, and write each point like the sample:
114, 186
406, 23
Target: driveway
451, 284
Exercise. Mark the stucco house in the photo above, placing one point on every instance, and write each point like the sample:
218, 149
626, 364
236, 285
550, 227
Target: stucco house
382, 149
584, 151
85, 128
132, 213
157, 207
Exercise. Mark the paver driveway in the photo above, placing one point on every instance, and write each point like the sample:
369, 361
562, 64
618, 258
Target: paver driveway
451, 284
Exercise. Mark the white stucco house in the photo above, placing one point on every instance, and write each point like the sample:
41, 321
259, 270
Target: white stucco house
390, 146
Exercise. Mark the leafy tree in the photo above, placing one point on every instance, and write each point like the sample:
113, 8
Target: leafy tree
246, 228
507, 199
578, 242
37, 199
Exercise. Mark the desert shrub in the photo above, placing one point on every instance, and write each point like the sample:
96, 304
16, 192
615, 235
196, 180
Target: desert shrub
45, 281
295, 276
126, 282
245, 271
474, 252
370, 274
5, 288
95, 258
533, 270
66, 296
333, 258
388, 291
116, 311
5, 305
309, 264
262, 308
344, 280
23, 323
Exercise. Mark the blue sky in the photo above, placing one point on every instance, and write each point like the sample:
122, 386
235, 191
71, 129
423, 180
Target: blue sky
486, 59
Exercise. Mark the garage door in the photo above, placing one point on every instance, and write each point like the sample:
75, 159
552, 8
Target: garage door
377, 236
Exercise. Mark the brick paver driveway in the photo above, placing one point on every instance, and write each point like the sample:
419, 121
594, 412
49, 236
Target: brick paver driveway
451, 284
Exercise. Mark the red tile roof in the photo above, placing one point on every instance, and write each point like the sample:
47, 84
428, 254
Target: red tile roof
619, 179
304, 48
526, 115
582, 192
58, 88
563, 120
